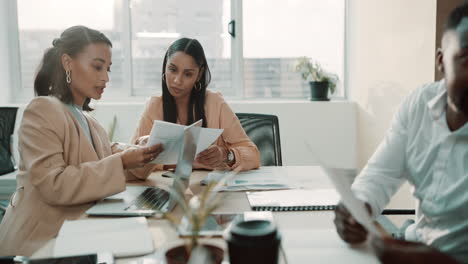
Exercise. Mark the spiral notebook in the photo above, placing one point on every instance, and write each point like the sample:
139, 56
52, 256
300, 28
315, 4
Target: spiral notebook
294, 200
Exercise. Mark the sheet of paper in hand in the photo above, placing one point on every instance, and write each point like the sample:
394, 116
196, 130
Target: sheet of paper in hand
172, 136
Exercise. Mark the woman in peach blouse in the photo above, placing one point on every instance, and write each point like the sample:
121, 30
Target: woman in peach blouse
185, 99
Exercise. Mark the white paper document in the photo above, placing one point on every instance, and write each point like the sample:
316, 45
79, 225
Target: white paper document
355, 206
124, 237
264, 178
171, 136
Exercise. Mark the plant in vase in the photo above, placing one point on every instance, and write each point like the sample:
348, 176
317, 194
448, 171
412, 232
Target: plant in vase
320, 81
196, 210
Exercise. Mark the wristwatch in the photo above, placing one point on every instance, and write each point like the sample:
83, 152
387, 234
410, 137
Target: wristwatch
230, 156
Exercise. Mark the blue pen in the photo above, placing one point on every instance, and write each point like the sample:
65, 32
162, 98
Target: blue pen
240, 181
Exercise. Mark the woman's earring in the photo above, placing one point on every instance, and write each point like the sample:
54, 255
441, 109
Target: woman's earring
441, 69
68, 73
199, 87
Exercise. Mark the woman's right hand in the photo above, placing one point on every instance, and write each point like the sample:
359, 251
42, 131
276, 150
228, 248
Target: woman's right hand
139, 156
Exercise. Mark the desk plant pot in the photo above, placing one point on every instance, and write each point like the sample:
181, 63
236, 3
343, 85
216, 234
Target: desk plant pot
196, 208
319, 91
181, 255
320, 81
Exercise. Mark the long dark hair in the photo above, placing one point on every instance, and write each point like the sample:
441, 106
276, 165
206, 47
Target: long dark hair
197, 97
51, 78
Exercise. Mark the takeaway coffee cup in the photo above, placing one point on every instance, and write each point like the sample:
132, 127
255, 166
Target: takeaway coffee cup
255, 241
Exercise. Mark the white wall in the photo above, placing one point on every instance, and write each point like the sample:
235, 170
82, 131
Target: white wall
391, 48
329, 128
391, 51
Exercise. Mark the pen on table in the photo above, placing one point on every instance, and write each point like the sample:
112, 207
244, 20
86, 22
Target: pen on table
254, 181
240, 181
13, 259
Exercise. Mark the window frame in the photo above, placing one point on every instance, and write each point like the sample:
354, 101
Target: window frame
126, 93
16, 95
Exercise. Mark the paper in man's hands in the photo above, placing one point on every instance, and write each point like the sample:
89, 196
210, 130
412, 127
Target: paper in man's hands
171, 136
355, 206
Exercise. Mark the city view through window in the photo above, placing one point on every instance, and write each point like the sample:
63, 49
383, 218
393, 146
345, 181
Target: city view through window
275, 34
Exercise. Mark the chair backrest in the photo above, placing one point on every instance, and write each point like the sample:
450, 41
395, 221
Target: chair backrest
263, 130
7, 126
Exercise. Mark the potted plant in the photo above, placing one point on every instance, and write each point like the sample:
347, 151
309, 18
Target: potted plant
196, 210
321, 82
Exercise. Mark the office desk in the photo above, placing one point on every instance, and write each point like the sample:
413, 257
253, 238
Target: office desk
289, 223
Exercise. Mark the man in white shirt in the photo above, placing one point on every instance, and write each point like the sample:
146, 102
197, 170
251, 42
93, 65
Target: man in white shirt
427, 145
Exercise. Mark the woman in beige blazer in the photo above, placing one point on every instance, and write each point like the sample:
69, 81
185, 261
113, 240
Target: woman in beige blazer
67, 162
185, 100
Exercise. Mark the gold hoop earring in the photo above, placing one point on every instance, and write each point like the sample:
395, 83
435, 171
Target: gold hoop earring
68, 79
441, 69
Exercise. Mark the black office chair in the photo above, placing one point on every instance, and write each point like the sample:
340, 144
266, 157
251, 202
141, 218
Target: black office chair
7, 126
263, 130
390, 227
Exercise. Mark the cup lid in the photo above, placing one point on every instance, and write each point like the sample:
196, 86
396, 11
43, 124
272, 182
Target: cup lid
254, 230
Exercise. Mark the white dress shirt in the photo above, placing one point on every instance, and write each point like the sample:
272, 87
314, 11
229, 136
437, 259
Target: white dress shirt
420, 148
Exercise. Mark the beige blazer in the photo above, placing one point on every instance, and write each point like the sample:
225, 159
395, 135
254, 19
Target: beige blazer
60, 175
218, 115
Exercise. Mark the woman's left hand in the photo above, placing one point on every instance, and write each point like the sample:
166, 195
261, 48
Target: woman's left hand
214, 157
142, 140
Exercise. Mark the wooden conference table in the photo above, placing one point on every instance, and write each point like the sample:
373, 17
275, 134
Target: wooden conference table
307, 235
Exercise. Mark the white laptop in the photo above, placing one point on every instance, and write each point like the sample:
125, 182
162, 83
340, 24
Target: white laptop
149, 200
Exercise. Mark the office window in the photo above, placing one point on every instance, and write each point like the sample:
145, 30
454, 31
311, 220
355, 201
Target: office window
39, 22
273, 36
156, 24
277, 32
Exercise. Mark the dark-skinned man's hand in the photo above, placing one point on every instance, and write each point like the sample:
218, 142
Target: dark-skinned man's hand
347, 227
390, 250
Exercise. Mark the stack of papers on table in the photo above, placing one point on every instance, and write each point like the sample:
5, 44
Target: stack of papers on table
123, 237
265, 178
294, 200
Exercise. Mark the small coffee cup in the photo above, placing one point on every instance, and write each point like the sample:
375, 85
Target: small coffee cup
255, 241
